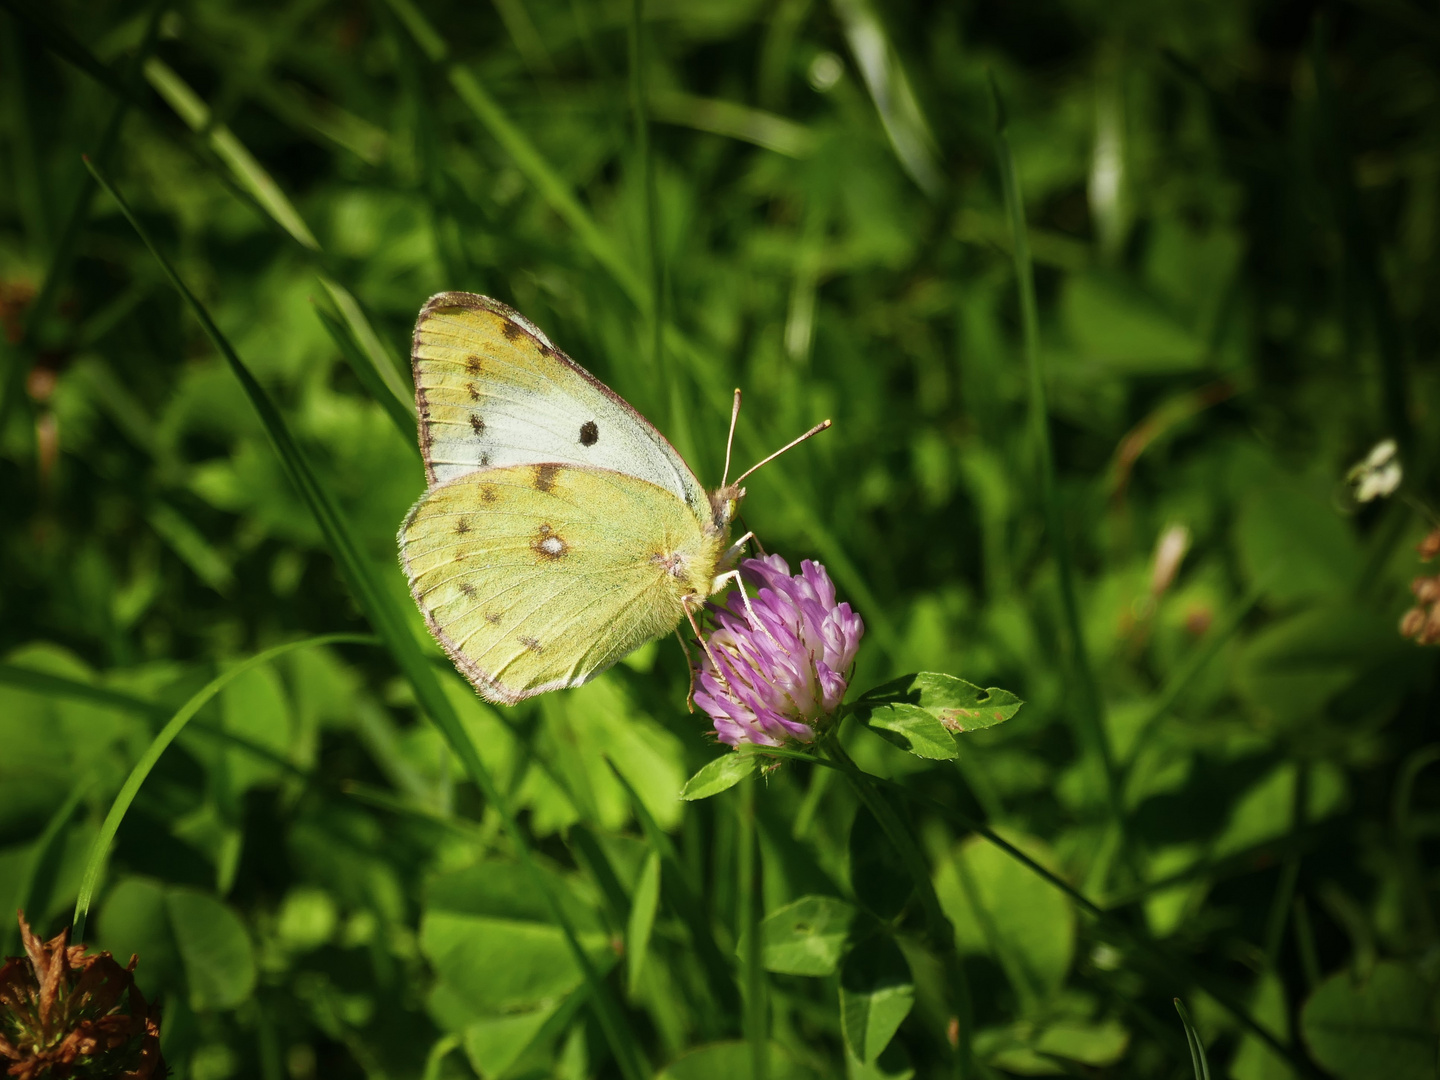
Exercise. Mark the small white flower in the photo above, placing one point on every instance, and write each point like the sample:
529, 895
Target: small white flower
1378, 475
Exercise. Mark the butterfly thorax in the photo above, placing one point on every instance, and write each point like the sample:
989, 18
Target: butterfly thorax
690, 566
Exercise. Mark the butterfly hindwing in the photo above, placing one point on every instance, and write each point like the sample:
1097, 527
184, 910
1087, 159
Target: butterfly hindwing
536, 577
493, 392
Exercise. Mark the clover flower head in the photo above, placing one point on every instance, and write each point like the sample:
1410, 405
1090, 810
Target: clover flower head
65, 1013
776, 679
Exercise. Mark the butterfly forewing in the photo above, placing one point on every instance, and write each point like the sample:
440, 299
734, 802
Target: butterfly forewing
493, 392
537, 577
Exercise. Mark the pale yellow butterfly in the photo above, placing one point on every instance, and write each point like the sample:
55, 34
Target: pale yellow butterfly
559, 530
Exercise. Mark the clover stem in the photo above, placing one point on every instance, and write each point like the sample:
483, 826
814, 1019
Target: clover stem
940, 930
752, 971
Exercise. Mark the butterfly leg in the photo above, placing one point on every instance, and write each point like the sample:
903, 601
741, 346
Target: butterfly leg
749, 611
689, 603
690, 668
732, 553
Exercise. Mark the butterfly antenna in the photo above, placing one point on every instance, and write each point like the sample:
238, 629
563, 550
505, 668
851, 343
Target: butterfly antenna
730, 442
788, 446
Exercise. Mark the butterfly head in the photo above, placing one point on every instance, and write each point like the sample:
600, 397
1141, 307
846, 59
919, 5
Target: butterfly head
724, 505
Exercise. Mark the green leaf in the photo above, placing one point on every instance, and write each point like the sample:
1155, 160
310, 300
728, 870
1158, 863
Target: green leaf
720, 774
729, 1061
892, 1064
1382, 1026
876, 994
1254, 1058
643, 906
877, 873
959, 705
498, 965
1030, 1052
497, 1042
912, 729
807, 936
136, 922
254, 706
1000, 906
214, 947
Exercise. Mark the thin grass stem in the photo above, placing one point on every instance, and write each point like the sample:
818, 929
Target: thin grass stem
1091, 706
940, 932
1198, 1060
747, 930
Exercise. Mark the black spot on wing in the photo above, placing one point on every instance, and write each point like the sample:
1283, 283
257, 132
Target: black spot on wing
589, 433
468, 589
473, 391
545, 477
472, 365
531, 644
477, 424
462, 527
510, 330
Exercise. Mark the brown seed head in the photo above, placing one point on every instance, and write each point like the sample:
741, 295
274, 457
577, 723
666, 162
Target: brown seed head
64, 1014
1430, 546
1426, 589
1412, 622
1430, 633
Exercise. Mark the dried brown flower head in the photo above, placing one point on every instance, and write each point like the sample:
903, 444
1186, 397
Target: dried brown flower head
65, 1015
1422, 622
1430, 546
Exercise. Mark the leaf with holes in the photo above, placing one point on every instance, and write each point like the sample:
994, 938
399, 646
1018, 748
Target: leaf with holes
958, 705
806, 937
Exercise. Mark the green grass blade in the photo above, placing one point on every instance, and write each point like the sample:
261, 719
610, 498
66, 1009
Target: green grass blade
681, 892
393, 371
551, 186
197, 115
1198, 1060
1091, 705
639, 107
45, 850
57, 686
369, 375
641, 923
42, 682
734, 121
100, 849
890, 90
381, 606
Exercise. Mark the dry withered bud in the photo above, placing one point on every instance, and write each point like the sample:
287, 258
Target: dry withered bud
1412, 622
1426, 589
1430, 632
1430, 546
66, 1015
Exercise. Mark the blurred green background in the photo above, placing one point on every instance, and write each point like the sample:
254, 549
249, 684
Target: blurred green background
1233, 211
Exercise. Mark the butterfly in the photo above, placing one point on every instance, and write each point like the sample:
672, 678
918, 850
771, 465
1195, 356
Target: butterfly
559, 530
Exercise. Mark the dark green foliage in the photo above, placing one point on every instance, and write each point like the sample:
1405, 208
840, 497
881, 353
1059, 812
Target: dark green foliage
1226, 290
